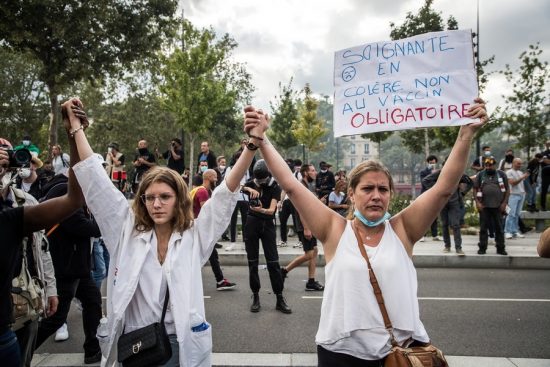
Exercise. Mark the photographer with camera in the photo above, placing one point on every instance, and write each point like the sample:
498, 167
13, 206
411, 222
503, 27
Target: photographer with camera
264, 193
174, 155
16, 224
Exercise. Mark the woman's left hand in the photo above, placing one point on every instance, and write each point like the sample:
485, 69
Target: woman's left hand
255, 122
477, 111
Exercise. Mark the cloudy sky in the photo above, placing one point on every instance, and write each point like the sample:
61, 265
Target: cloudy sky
280, 39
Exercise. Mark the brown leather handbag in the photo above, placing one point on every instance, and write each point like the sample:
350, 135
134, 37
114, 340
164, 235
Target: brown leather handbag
416, 354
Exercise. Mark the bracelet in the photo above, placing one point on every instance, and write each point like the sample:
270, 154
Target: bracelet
255, 137
72, 132
251, 146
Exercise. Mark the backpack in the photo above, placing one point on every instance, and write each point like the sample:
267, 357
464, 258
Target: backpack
193, 192
27, 294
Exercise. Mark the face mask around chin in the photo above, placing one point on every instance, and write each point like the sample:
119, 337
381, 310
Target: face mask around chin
490, 171
488, 153
26, 142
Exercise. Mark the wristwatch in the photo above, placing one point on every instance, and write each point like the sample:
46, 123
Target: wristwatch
251, 146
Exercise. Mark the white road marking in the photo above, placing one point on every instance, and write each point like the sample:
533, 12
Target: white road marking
465, 299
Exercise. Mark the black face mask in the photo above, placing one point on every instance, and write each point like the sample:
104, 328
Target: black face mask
490, 171
309, 179
509, 158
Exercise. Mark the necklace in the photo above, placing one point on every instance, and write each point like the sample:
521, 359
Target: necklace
161, 254
379, 229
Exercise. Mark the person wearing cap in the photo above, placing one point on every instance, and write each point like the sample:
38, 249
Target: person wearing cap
26, 143
29, 180
325, 181
491, 192
264, 193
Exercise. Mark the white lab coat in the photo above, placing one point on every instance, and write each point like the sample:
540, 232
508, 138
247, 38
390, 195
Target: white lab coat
129, 248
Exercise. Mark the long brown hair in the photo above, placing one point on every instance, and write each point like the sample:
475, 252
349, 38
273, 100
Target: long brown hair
183, 215
361, 169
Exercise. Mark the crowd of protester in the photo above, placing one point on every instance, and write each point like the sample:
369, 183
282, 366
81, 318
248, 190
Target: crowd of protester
72, 254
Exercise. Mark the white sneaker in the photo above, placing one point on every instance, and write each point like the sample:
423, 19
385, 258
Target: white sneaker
282, 244
422, 239
436, 238
508, 236
231, 246
62, 333
298, 244
519, 235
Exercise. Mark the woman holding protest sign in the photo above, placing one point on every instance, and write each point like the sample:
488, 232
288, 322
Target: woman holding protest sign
352, 332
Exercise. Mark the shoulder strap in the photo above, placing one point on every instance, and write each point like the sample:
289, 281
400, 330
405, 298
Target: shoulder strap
375, 287
165, 305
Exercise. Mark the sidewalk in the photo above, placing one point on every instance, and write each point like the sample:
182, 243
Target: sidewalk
294, 359
522, 254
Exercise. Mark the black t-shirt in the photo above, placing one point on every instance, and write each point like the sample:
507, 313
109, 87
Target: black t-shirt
267, 193
176, 165
11, 232
148, 156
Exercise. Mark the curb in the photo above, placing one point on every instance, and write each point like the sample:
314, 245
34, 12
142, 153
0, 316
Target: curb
289, 359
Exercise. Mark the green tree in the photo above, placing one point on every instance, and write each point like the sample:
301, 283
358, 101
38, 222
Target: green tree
283, 112
526, 114
426, 20
83, 40
308, 129
201, 87
23, 97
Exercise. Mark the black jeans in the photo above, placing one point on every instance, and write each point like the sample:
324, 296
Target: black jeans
545, 182
242, 206
215, 265
326, 358
257, 229
87, 292
287, 210
450, 217
491, 216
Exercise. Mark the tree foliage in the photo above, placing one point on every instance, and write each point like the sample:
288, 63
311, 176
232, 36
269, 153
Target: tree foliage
308, 129
526, 114
426, 20
283, 112
76, 40
202, 87
24, 105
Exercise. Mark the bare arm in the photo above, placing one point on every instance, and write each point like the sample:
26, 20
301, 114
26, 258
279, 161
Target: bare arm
543, 247
53, 211
412, 222
325, 224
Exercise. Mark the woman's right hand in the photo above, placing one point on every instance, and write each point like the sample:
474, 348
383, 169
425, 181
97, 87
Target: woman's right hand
255, 122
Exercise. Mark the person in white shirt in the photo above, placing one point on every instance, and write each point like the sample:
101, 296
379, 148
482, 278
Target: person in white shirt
352, 333
516, 199
155, 245
60, 161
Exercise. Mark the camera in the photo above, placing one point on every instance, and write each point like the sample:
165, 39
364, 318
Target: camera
19, 158
255, 202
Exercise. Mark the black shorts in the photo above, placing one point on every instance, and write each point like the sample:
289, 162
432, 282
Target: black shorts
307, 244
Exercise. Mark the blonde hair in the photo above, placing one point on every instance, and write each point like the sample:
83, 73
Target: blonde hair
183, 215
361, 169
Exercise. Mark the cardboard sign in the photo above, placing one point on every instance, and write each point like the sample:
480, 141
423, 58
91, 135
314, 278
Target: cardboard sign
423, 81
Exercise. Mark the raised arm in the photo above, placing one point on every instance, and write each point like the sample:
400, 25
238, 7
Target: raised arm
412, 222
325, 224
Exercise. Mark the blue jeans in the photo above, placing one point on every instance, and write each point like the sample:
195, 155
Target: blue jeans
515, 202
101, 262
10, 354
175, 360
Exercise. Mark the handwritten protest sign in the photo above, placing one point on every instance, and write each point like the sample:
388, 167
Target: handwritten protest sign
423, 81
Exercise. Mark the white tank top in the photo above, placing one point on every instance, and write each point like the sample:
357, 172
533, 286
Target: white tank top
351, 321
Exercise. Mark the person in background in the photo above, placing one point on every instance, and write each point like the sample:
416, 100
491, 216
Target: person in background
324, 183
114, 166
143, 161
241, 207
352, 332
533, 167
506, 163
430, 169
26, 143
337, 199
30, 180
60, 161
516, 199
477, 165
207, 155
174, 155
544, 176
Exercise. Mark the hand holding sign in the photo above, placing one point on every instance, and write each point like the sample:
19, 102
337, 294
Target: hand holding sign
422, 81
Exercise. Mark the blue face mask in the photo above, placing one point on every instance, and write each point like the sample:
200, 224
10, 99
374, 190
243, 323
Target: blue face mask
369, 223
